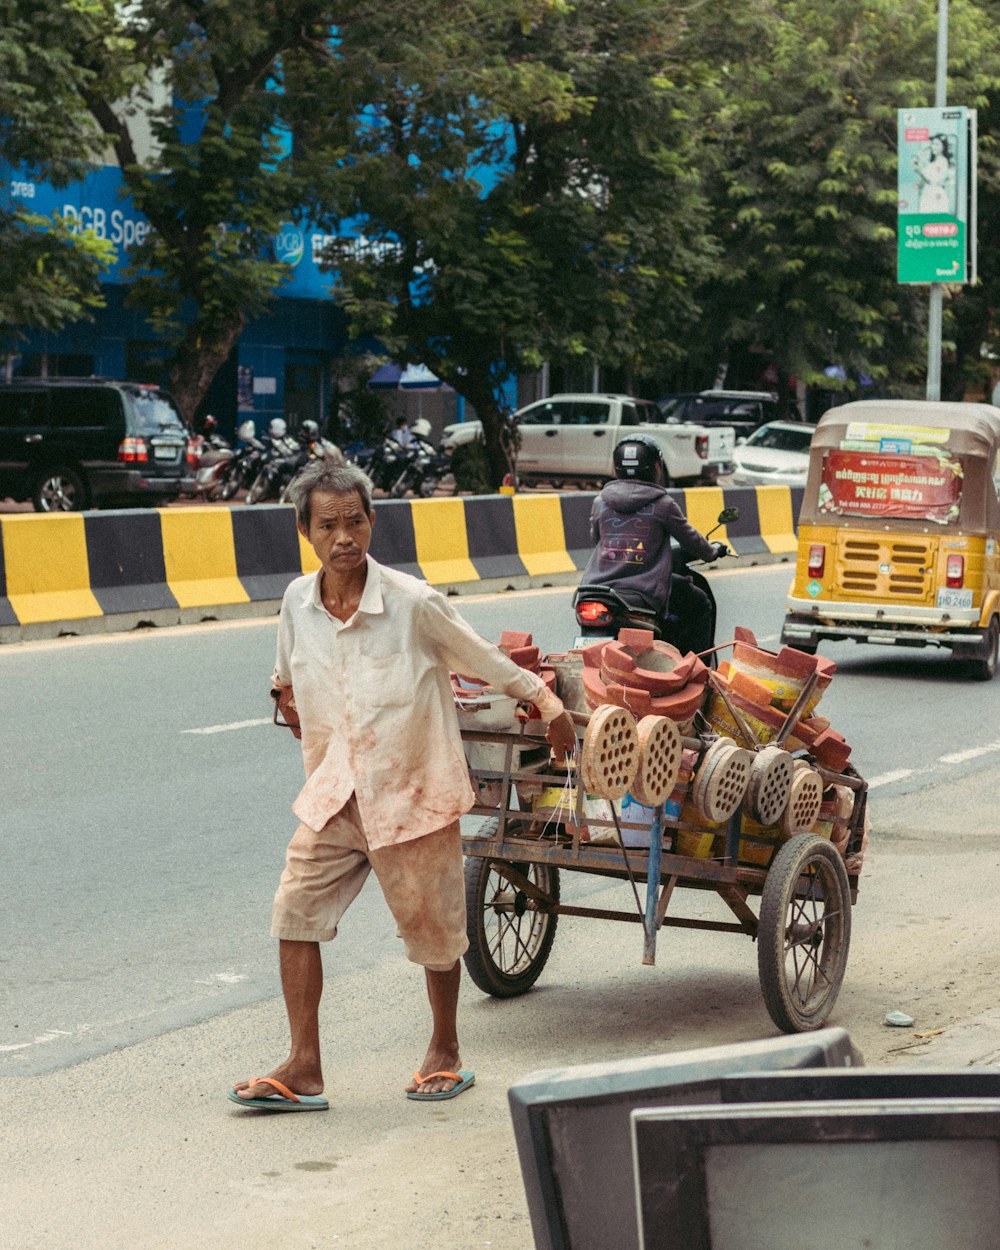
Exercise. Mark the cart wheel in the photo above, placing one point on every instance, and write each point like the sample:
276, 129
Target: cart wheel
804, 933
509, 942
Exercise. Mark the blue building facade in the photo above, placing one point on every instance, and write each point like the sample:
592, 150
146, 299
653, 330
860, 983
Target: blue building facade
283, 363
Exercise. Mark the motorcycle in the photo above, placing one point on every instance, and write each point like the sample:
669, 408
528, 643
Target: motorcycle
384, 462
214, 454
312, 451
602, 612
422, 467
241, 468
281, 461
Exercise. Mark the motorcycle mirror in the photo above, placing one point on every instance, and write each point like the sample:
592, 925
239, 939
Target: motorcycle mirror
728, 515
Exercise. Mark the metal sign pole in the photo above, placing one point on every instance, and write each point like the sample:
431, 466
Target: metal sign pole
936, 306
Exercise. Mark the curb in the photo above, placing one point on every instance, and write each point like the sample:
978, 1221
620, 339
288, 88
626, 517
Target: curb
103, 572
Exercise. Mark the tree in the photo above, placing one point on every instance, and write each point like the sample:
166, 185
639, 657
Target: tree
48, 271
533, 201
801, 138
216, 182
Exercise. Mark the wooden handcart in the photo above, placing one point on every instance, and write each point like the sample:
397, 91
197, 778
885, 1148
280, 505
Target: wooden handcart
802, 924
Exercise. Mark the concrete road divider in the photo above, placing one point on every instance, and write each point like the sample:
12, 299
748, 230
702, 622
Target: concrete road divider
103, 571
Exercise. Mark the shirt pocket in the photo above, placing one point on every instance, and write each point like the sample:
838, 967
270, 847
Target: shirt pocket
387, 679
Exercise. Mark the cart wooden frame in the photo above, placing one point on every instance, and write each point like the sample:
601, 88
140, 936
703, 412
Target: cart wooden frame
802, 925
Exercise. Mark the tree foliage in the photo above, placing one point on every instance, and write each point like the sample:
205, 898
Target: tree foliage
533, 201
208, 83
801, 137
655, 188
48, 272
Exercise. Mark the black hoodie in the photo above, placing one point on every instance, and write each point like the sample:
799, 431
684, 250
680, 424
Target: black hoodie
632, 524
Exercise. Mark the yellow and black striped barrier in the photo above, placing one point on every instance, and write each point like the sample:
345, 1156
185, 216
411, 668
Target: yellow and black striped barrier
83, 572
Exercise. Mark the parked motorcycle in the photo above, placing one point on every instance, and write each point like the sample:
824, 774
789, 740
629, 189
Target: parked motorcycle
214, 454
602, 612
384, 462
315, 449
281, 461
241, 468
423, 467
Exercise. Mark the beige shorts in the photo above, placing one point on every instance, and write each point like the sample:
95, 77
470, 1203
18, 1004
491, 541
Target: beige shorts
422, 881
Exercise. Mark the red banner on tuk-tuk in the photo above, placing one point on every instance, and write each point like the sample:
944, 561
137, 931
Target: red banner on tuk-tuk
919, 488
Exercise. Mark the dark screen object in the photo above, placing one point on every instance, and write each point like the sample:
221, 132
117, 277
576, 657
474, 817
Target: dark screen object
865, 1170
573, 1132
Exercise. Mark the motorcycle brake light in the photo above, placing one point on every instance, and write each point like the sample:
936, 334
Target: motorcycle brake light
133, 451
817, 560
592, 613
192, 456
955, 572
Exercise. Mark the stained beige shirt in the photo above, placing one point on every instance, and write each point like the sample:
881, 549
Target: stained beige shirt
375, 704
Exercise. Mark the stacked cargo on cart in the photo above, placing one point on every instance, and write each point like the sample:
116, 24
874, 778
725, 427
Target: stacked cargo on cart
726, 780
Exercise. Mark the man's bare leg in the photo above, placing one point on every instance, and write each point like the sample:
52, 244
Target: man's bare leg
442, 1054
302, 985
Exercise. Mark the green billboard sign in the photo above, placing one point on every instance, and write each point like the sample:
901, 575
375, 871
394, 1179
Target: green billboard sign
936, 187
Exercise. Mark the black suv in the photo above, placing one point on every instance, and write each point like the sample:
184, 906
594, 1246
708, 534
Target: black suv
68, 444
743, 411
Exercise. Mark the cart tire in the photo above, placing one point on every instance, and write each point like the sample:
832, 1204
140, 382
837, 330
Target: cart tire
509, 943
804, 933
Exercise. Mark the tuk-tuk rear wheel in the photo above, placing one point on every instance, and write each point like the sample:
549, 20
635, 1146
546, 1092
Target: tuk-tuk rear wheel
984, 667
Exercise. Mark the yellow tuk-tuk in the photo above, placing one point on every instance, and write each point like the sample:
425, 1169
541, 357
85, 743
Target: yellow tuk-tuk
898, 531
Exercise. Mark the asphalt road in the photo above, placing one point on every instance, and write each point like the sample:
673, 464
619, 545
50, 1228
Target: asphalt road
144, 819
147, 798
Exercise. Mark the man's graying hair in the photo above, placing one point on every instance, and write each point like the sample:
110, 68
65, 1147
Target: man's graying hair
337, 479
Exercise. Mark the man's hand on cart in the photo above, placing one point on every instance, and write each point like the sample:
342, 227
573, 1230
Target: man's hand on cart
284, 707
561, 736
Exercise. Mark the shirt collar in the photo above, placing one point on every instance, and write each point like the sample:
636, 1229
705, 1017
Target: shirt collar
371, 596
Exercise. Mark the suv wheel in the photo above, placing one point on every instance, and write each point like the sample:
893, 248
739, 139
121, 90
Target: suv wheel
59, 490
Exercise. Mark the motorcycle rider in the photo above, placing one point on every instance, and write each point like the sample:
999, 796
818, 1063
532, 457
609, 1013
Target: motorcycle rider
632, 521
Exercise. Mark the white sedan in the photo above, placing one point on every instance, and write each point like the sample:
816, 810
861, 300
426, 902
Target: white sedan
776, 454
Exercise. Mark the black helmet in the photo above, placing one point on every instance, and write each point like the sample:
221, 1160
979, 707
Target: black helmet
309, 430
638, 458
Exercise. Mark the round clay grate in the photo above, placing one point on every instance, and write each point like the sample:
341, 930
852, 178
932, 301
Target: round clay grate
721, 781
770, 785
610, 753
660, 751
805, 800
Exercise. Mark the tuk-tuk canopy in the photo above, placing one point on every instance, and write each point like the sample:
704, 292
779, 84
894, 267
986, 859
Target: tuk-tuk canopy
975, 428
973, 435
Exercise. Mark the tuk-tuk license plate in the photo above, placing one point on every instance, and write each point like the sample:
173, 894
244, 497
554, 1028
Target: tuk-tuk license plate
947, 598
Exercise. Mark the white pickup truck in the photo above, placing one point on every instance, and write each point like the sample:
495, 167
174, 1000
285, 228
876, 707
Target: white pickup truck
573, 437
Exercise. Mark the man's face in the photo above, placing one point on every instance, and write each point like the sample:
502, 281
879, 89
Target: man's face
340, 531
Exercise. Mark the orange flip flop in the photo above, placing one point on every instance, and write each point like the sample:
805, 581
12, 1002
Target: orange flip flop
282, 1100
462, 1082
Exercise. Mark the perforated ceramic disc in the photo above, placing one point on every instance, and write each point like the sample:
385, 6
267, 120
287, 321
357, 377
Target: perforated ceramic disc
660, 750
770, 785
804, 802
721, 781
610, 753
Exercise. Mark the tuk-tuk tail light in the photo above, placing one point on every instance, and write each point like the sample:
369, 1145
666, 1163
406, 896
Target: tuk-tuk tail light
817, 560
955, 571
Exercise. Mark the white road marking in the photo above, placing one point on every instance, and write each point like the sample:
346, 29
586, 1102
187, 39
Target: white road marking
959, 757
236, 724
886, 779
51, 1036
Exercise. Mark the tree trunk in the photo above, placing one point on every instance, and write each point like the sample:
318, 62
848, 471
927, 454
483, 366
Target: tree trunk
476, 387
198, 358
